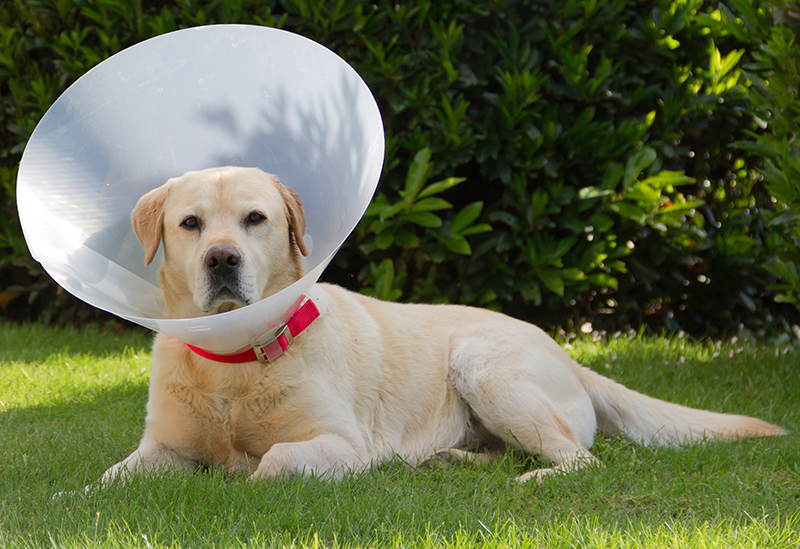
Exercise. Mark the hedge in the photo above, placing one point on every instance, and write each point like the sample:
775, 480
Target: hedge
622, 163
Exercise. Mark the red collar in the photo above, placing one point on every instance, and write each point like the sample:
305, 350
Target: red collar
276, 345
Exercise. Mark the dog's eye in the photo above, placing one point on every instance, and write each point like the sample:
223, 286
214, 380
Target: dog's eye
255, 218
190, 222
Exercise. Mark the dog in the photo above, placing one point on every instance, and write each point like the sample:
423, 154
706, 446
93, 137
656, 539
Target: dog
365, 380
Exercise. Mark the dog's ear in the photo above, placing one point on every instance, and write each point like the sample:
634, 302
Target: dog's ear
147, 219
297, 216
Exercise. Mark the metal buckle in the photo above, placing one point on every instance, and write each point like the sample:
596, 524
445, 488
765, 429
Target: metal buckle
287, 333
261, 349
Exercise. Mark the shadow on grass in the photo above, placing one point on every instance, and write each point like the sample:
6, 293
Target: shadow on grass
62, 446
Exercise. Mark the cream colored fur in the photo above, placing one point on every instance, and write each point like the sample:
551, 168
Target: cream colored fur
368, 380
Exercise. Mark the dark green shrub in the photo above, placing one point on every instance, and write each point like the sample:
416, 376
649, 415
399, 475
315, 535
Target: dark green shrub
581, 151
598, 137
774, 80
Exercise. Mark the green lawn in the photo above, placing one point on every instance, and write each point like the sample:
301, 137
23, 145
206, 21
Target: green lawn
72, 404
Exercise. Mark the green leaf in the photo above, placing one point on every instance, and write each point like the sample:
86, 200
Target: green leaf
532, 292
407, 239
618, 265
459, 245
385, 279
667, 178
643, 192
378, 205
593, 192
629, 211
603, 280
392, 210
585, 117
417, 173
424, 219
430, 205
601, 222
539, 201
467, 216
378, 226
613, 175
783, 269
636, 163
730, 61
441, 186
384, 240
761, 149
782, 219
682, 206
477, 229
505, 217
563, 246
553, 281
573, 274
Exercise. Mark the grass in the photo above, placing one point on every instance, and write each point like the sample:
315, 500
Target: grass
72, 404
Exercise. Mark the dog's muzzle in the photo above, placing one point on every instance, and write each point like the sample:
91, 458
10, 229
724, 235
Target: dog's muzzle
223, 267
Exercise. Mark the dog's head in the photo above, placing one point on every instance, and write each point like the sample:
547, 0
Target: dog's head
232, 236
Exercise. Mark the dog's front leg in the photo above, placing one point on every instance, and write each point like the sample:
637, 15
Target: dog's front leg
149, 457
327, 456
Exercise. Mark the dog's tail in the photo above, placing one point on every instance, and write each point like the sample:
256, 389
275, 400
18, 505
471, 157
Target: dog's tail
650, 421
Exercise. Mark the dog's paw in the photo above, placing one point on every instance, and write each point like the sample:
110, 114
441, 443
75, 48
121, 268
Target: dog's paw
441, 459
86, 490
538, 475
445, 458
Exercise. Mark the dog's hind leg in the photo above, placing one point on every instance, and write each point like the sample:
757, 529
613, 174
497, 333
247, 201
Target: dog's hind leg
527, 402
536, 429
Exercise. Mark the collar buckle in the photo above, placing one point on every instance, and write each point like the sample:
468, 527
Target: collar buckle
276, 346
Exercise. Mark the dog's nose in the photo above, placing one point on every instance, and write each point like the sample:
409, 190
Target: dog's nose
223, 260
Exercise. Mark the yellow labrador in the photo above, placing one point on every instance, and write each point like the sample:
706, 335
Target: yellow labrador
366, 380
